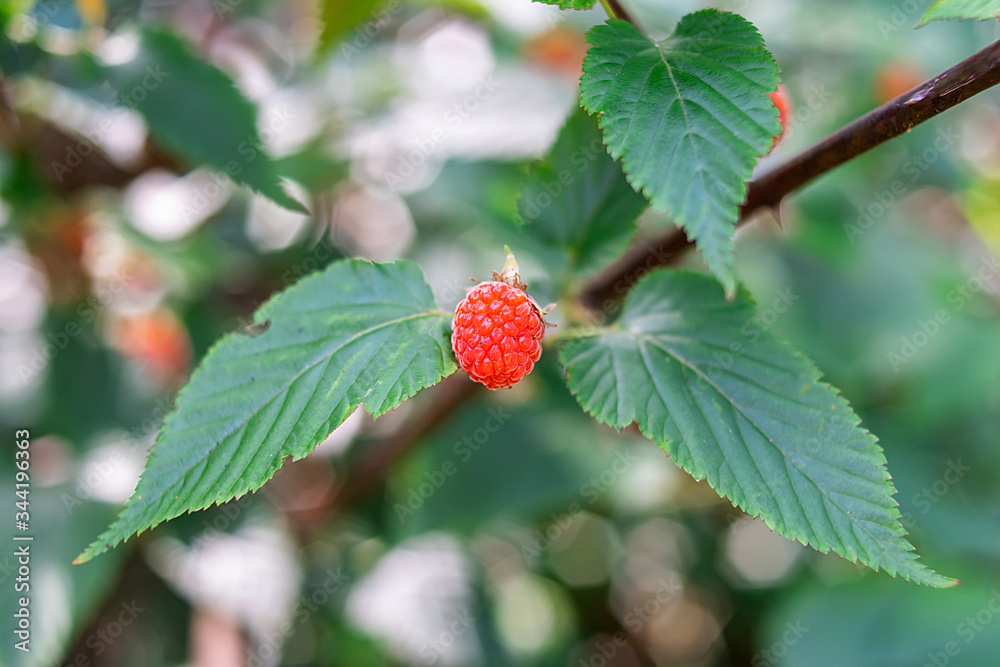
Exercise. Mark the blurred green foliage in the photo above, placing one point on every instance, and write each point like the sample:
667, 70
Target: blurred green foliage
557, 541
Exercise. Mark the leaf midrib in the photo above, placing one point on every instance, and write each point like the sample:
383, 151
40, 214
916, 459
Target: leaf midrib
284, 389
692, 367
689, 134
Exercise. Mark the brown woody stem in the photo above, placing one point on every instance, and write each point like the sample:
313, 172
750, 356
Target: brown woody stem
969, 77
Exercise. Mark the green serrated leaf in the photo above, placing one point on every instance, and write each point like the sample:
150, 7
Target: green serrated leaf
569, 4
732, 403
194, 109
688, 117
356, 333
961, 9
341, 16
577, 201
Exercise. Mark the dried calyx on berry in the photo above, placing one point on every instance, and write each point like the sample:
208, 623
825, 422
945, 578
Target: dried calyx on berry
497, 330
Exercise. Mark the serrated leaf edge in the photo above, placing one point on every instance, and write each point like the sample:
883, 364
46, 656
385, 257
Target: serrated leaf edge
91, 551
836, 395
721, 263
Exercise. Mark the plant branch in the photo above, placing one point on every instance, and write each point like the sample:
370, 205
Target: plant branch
616, 11
944, 91
971, 76
372, 467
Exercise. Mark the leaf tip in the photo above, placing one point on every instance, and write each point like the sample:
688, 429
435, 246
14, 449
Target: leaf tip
286, 200
90, 553
938, 581
732, 289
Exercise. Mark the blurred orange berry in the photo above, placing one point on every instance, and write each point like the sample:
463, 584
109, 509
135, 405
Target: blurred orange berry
561, 49
895, 78
156, 340
784, 103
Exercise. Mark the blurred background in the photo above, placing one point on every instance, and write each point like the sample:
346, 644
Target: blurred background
517, 531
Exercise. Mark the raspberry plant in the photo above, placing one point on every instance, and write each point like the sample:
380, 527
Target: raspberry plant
680, 125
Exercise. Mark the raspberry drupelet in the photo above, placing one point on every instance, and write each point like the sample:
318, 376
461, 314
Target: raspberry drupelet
497, 330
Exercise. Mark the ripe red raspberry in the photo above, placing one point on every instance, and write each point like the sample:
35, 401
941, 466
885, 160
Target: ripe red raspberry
497, 330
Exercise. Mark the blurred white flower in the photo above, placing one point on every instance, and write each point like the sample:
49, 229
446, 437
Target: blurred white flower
418, 599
